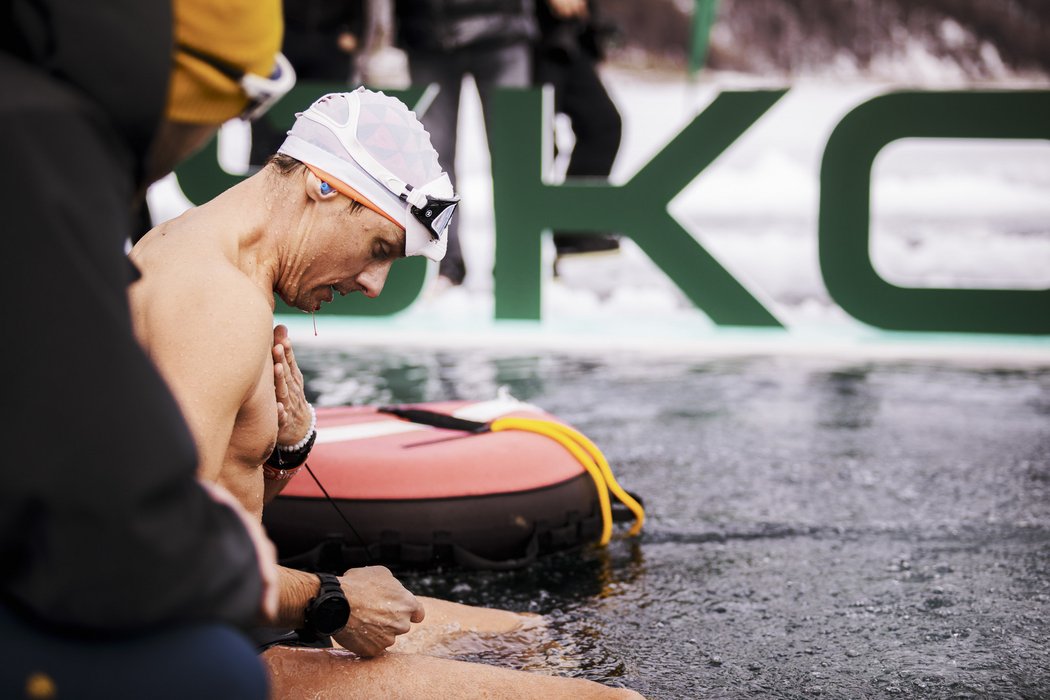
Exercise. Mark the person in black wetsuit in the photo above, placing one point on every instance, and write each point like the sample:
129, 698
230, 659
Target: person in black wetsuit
122, 576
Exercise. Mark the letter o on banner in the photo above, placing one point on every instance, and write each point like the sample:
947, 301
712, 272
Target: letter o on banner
845, 199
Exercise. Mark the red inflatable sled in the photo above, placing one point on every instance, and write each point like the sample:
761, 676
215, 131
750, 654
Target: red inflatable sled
490, 485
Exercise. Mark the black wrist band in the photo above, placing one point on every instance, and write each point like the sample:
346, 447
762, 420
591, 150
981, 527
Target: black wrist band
282, 459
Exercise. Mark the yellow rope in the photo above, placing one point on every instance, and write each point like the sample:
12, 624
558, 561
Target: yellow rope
603, 464
592, 460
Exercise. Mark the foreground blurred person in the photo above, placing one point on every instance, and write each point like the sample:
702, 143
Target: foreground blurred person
123, 575
355, 186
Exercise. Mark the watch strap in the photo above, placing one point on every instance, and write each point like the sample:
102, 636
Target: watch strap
330, 586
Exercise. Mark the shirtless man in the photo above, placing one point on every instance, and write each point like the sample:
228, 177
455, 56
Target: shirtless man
355, 186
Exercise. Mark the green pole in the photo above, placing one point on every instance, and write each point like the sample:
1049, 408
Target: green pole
703, 19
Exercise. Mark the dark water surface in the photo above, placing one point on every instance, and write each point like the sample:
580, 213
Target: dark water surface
816, 528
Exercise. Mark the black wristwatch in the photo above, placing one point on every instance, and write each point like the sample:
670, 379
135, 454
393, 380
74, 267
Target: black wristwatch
329, 611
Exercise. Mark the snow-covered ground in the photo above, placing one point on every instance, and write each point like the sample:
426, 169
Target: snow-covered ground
966, 214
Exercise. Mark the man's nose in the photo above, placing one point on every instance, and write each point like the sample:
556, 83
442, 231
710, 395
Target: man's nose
372, 279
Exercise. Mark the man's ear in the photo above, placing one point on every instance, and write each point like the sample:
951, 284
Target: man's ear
317, 189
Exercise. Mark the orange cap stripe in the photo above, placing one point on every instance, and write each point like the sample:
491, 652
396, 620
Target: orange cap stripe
346, 190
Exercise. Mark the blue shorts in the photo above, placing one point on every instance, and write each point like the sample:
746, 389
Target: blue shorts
189, 662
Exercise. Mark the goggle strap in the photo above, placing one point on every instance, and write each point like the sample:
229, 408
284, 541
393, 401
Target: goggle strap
413, 198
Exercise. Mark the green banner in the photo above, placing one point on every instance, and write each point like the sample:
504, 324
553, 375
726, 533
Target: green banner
526, 207
845, 193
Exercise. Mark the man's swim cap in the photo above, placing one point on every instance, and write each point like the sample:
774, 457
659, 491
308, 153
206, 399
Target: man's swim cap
372, 148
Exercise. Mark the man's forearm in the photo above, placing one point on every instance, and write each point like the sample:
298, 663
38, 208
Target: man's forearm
296, 589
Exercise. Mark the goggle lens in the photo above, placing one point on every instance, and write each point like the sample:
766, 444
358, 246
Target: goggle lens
436, 215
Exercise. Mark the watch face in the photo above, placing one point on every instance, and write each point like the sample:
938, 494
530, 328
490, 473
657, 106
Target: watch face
330, 614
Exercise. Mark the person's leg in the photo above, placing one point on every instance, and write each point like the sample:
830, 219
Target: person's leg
508, 66
441, 120
549, 70
202, 662
448, 624
497, 66
596, 122
299, 672
597, 126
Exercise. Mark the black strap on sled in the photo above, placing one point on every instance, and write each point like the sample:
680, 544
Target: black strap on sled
435, 419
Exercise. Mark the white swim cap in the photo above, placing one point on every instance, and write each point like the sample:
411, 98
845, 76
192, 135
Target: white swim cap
372, 148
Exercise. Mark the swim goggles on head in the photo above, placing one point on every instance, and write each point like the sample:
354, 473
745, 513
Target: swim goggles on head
435, 213
432, 204
262, 93
429, 207
429, 213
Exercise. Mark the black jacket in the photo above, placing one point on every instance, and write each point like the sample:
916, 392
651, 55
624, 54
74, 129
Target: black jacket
447, 25
311, 36
103, 526
563, 39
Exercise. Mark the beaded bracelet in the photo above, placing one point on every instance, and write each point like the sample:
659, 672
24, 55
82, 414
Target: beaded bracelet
307, 438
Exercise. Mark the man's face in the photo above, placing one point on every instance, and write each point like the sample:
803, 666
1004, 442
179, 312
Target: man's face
346, 252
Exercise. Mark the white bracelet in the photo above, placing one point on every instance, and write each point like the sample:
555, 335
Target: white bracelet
302, 443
